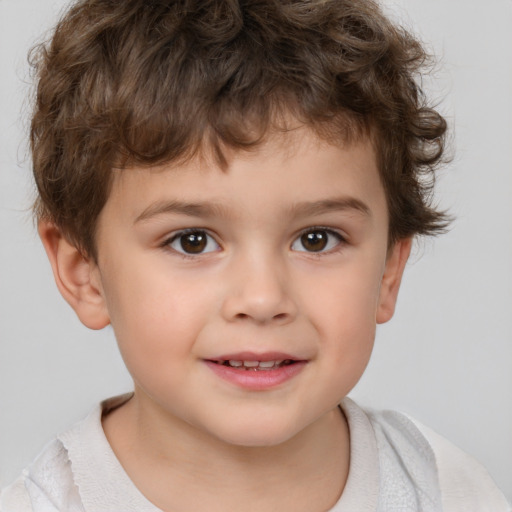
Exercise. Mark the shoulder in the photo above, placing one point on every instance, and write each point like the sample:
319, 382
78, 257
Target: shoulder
49, 484
15, 498
46, 485
432, 463
76, 472
465, 483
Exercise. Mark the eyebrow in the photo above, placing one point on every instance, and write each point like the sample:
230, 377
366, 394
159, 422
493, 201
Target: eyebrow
328, 205
207, 209
183, 208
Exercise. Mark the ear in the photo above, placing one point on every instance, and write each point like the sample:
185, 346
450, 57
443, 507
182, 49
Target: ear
393, 271
77, 277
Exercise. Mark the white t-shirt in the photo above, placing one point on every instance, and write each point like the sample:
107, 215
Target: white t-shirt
396, 465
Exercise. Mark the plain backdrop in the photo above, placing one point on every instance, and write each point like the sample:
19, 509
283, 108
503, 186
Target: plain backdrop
446, 357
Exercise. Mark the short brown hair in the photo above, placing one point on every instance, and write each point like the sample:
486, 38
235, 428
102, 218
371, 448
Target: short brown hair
142, 82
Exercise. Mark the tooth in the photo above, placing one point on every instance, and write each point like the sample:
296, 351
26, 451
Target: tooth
251, 364
266, 364
235, 363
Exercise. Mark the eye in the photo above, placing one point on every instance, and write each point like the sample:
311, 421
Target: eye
193, 241
317, 240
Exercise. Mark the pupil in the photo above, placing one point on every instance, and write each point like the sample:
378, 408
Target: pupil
314, 241
193, 242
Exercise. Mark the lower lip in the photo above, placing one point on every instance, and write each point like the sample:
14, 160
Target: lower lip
257, 380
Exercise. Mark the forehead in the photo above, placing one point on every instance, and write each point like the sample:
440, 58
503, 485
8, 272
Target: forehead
292, 167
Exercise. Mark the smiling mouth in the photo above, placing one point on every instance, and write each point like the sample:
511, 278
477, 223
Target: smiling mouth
255, 365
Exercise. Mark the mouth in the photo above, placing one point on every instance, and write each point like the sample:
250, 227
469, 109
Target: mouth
255, 365
256, 371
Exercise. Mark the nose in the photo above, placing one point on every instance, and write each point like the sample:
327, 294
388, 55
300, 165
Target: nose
259, 290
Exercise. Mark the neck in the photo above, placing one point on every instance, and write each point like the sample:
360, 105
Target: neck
178, 467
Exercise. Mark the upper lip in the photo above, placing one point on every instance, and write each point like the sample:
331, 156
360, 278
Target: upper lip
256, 356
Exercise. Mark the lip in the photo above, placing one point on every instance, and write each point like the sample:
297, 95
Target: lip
256, 380
255, 356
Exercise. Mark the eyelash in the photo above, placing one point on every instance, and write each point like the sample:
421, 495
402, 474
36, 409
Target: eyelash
340, 241
167, 244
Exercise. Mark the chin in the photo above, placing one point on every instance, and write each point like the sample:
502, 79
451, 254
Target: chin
257, 434
257, 440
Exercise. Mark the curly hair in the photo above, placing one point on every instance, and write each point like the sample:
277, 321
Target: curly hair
143, 82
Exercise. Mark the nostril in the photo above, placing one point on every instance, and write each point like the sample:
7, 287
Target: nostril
258, 305
279, 317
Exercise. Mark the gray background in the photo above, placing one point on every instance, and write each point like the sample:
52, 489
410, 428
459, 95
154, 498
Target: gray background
446, 357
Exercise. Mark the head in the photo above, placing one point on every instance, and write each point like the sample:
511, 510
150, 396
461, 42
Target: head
140, 83
234, 182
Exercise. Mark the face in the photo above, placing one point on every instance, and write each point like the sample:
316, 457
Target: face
245, 300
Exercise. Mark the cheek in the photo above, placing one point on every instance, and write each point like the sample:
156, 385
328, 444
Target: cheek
155, 315
345, 315
350, 294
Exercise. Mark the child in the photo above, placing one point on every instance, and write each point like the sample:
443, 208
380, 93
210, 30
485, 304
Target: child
234, 187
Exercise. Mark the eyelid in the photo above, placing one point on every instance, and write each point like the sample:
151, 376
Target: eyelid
341, 239
176, 235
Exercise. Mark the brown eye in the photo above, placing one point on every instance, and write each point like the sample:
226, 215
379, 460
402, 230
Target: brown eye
317, 240
193, 242
314, 241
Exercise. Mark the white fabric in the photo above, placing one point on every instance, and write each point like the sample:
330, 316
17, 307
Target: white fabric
396, 465
458, 474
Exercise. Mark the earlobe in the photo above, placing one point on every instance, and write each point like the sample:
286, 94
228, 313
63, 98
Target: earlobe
76, 276
391, 279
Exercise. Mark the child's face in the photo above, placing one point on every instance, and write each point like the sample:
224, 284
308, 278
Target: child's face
283, 257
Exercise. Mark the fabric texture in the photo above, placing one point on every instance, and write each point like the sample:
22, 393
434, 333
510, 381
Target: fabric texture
396, 465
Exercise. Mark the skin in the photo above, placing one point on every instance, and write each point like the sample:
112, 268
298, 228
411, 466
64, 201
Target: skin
187, 434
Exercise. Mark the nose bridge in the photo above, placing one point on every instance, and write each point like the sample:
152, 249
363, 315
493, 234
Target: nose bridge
258, 288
